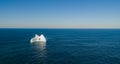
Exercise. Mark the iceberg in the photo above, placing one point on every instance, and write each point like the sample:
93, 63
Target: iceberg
38, 38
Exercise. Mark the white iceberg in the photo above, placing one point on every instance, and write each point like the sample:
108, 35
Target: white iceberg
38, 38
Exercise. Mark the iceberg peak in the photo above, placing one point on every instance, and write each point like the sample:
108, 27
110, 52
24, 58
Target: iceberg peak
38, 38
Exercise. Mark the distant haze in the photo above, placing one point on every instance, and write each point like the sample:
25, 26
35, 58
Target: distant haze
59, 13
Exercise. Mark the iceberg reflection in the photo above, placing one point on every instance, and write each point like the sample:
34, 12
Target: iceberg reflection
40, 51
39, 45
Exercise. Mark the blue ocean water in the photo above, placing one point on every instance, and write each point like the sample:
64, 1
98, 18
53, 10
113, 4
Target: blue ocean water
63, 46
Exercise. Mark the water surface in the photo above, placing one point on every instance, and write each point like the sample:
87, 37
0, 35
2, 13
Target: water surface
63, 46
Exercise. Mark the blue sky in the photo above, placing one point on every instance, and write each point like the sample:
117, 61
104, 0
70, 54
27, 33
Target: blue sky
59, 13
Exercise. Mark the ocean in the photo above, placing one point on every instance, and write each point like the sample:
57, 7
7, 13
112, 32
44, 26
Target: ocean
63, 46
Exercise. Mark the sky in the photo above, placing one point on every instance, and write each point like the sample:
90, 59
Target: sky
59, 13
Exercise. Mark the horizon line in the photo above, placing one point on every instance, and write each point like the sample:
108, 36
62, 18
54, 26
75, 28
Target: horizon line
59, 28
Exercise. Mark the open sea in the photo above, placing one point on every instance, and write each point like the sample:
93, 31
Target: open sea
63, 46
